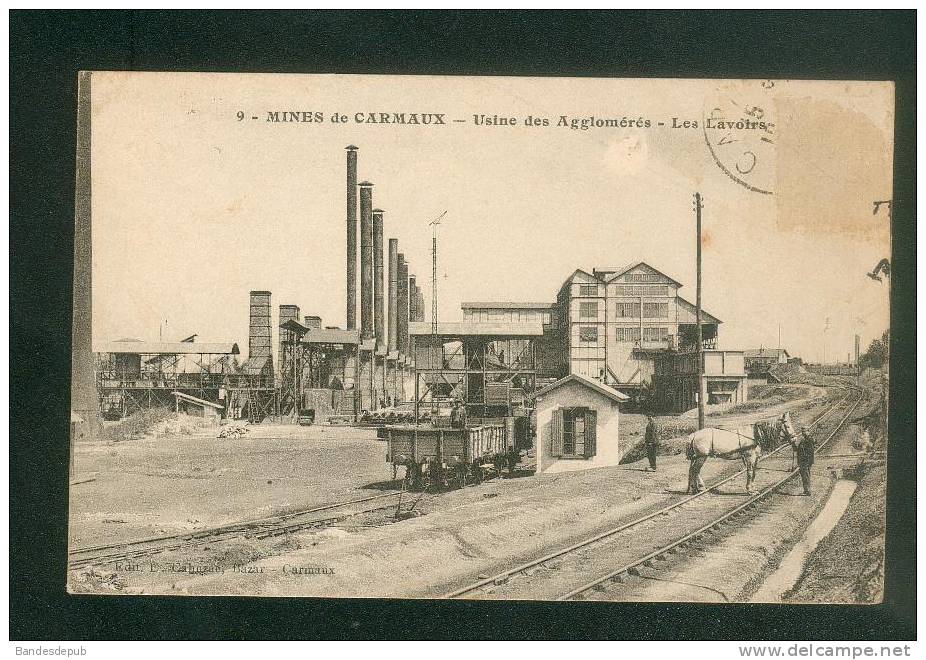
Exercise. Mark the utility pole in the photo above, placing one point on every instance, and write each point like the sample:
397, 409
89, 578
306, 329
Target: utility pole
434, 223
701, 388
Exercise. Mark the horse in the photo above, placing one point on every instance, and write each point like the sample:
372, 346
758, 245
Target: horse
735, 443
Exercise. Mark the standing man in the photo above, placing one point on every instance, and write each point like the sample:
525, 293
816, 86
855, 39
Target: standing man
458, 415
805, 455
651, 440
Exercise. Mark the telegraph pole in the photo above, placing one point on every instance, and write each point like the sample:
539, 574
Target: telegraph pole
701, 388
434, 223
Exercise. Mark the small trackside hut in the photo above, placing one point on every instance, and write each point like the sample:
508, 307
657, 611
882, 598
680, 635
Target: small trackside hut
577, 425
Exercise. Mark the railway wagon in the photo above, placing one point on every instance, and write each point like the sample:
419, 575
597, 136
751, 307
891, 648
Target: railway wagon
440, 457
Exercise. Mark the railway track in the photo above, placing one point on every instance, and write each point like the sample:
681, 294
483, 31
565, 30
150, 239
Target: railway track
563, 574
251, 529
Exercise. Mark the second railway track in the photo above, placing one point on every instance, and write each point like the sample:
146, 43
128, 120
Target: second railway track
564, 574
253, 529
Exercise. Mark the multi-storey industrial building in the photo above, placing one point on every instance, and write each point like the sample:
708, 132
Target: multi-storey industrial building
616, 319
611, 324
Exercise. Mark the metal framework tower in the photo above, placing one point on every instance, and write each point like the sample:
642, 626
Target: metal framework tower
434, 223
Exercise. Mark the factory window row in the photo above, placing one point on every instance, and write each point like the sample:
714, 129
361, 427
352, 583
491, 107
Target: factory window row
628, 310
642, 277
588, 289
655, 334
658, 333
650, 310
628, 334
655, 310
508, 316
641, 290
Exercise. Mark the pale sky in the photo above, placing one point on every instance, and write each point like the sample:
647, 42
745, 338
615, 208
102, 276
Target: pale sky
192, 209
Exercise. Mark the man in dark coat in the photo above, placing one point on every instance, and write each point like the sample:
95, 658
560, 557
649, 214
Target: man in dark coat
651, 441
458, 415
805, 455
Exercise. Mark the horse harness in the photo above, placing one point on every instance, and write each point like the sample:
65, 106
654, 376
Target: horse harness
739, 438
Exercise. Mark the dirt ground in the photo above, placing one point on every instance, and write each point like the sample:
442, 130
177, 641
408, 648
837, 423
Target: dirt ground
198, 481
164, 484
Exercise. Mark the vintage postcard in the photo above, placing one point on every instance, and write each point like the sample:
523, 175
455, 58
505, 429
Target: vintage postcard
481, 337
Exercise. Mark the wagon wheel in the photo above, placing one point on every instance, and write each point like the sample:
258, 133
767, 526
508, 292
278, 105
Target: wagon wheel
498, 462
438, 477
461, 470
413, 476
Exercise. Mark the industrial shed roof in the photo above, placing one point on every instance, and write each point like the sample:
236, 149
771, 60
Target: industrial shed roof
507, 305
294, 326
466, 328
255, 366
601, 388
166, 348
691, 313
623, 269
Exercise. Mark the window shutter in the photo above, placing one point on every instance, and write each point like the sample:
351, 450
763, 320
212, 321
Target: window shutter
591, 432
556, 433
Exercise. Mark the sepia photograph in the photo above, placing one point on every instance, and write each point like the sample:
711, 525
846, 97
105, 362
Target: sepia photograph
481, 337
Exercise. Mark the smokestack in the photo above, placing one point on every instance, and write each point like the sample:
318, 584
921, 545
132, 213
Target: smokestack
366, 259
420, 305
260, 353
351, 237
393, 291
412, 299
379, 322
313, 322
402, 306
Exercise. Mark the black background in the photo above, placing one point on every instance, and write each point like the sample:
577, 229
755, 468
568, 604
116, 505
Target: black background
48, 48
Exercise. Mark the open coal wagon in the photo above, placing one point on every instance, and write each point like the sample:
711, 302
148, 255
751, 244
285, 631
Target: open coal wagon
440, 457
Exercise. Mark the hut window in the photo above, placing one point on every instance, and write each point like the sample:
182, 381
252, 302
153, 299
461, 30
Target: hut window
574, 432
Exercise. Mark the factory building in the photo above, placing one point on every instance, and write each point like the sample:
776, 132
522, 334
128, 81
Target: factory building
676, 384
491, 367
611, 325
617, 320
759, 361
549, 355
136, 375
